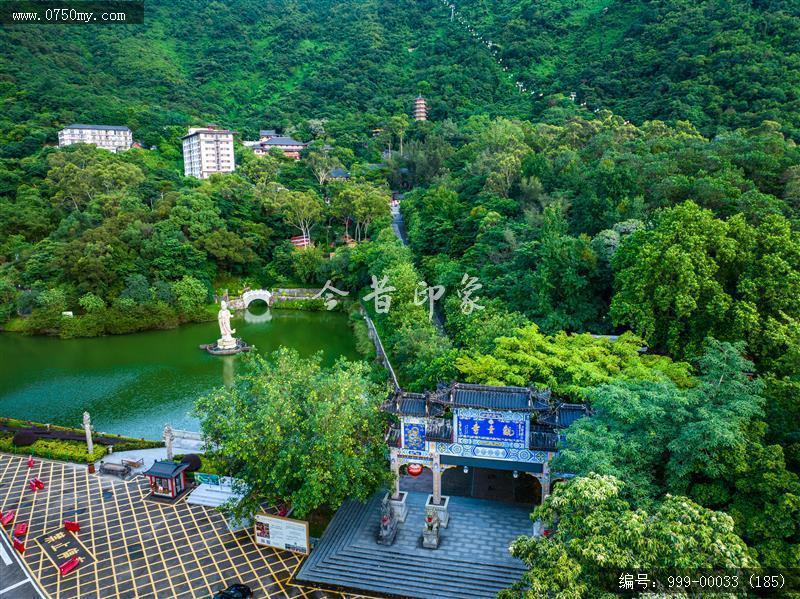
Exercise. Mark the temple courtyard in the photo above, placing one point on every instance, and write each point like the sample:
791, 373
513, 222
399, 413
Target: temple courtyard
132, 547
472, 560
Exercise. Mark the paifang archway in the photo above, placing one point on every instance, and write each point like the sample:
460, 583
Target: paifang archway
256, 294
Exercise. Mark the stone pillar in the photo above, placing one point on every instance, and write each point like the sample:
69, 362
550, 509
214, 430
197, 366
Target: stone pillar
395, 465
436, 468
544, 480
169, 437
436, 500
87, 426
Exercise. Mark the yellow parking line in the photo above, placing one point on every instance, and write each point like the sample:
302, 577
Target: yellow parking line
205, 542
125, 544
139, 530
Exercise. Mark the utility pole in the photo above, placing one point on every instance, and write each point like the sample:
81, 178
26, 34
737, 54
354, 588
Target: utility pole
452, 11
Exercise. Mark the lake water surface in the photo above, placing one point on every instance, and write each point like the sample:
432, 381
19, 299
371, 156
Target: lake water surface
134, 384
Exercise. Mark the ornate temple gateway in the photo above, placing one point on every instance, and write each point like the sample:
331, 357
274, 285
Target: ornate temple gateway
476, 426
470, 463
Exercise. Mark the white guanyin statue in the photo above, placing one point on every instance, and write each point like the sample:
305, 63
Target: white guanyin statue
226, 341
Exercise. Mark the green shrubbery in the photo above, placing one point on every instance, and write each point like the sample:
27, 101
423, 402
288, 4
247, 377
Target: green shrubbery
55, 449
66, 450
311, 305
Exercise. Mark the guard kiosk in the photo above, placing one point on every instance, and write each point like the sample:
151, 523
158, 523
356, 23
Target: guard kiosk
167, 479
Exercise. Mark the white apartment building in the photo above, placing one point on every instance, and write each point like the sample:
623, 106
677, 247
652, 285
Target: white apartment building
207, 151
108, 137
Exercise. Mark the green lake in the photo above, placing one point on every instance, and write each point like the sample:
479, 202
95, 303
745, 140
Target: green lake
134, 384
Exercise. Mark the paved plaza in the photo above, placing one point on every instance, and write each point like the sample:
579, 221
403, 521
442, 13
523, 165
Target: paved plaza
140, 548
472, 560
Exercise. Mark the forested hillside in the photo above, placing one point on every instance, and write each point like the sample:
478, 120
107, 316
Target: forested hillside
716, 63
247, 65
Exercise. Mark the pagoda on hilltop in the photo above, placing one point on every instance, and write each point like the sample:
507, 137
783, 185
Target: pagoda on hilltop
420, 109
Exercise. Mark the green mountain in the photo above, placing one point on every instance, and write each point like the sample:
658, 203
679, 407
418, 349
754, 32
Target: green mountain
716, 63
249, 64
246, 64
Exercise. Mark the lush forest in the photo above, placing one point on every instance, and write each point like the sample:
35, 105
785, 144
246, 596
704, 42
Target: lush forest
640, 253
721, 64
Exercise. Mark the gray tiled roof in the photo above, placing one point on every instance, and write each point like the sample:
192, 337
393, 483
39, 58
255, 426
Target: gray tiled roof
98, 127
464, 395
166, 469
267, 132
564, 415
339, 173
405, 403
282, 141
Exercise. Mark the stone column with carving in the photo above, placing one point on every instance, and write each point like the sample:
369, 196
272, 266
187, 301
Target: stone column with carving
87, 426
436, 500
395, 465
436, 468
169, 437
544, 480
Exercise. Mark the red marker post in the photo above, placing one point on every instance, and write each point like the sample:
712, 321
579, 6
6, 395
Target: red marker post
72, 526
8, 517
30, 461
69, 565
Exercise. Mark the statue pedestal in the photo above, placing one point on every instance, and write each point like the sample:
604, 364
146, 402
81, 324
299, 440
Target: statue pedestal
229, 343
399, 506
430, 539
444, 514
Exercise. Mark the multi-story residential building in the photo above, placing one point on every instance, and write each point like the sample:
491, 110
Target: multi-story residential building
207, 151
108, 137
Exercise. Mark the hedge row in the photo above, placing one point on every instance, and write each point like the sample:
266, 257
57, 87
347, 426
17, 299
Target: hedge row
54, 449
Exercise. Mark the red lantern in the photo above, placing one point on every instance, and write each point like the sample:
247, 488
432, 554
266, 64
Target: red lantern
415, 469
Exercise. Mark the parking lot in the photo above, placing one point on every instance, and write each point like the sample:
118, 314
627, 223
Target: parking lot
139, 548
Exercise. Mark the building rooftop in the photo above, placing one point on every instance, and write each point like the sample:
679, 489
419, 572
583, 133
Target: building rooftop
166, 469
268, 133
465, 395
564, 415
282, 141
549, 417
98, 127
339, 173
196, 130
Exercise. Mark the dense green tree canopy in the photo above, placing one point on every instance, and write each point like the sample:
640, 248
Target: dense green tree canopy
705, 442
597, 533
296, 432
